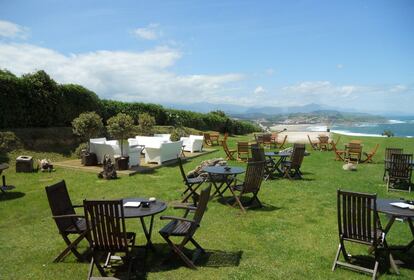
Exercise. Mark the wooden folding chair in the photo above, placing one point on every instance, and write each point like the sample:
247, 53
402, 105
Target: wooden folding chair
358, 222
399, 172
339, 154
258, 155
314, 144
66, 219
281, 144
354, 151
291, 168
186, 227
229, 152
370, 154
207, 139
226, 135
251, 184
387, 160
192, 184
323, 142
243, 151
267, 140
106, 222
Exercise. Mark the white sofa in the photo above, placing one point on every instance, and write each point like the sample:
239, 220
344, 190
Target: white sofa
149, 141
166, 137
101, 147
192, 144
166, 151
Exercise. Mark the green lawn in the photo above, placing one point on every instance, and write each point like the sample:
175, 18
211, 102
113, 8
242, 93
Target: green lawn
293, 237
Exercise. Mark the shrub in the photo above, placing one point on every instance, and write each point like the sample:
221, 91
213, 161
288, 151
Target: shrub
87, 125
121, 127
9, 141
146, 123
79, 149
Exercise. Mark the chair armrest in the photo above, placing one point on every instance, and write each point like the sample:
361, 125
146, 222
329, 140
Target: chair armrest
68, 216
185, 207
177, 219
77, 206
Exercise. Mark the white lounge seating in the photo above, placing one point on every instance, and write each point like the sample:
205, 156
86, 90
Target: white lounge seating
101, 147
192, 144
166, 137
166, 151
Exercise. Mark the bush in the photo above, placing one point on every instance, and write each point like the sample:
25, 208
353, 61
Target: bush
87, 125
78, 150
9, 141
146, 123
121, 127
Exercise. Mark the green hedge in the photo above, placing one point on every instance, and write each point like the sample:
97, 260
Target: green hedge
36, 100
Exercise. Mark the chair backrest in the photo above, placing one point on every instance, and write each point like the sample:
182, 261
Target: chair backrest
297, 155
258, 138
226, 149
357, 216
400, 166
60, 204
267, 138
388, 153
106, 223
354, 147
257, 153
226, 135
201, 208
243, 147
323, 139
180, 164
207, 137
254, 176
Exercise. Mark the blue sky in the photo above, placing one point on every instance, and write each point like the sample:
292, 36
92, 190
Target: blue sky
348, 54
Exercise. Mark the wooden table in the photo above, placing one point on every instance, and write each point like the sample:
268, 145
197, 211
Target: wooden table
275, 165
394, 212
228, 174
142, 212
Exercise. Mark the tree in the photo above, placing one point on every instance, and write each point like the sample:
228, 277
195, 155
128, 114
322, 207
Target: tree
146, 122
121, 127
87, 125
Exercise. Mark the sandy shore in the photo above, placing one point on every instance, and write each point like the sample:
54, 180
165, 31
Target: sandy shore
300, 127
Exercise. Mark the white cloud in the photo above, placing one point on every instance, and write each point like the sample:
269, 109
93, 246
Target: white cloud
11, 30
259, 90
150, 32
130, 76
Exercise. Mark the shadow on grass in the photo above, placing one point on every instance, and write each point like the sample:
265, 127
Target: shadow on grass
246, 201
163, 259
10, 195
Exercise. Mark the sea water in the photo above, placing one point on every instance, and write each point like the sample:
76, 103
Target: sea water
401, 127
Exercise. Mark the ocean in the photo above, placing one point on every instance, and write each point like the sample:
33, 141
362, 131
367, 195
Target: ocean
401, 127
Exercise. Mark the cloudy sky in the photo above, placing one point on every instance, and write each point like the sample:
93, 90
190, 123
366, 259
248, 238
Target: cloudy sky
348, 54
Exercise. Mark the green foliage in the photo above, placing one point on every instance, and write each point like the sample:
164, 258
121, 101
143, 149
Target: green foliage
146, 123
177, 133
36, 100
388, 133
87, 125
9, 141
121, 127
78, 151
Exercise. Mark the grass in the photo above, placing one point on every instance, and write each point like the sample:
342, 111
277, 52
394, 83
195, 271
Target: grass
294, 236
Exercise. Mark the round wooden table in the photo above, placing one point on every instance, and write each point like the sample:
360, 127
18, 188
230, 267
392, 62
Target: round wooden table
229, 173
142, 212
394, 212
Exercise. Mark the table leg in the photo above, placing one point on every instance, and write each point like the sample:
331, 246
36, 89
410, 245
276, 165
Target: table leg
411, 244
213, 182
228, 183
147, 233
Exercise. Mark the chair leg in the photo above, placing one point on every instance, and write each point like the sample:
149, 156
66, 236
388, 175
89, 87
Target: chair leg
374, 274
71, 247
237, 198
197, 245
336, 257
178, 251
